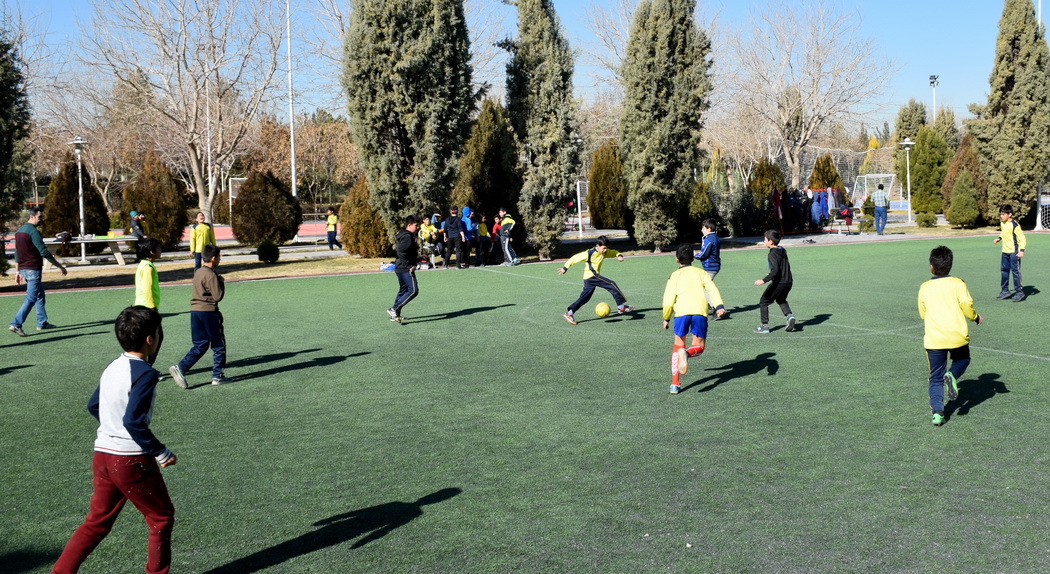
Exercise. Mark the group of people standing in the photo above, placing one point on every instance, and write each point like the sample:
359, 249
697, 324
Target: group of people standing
466, 231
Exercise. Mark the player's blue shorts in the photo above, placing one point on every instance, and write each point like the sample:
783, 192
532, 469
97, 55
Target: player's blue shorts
695, 324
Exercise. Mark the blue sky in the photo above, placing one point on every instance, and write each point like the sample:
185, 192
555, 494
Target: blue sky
954, 39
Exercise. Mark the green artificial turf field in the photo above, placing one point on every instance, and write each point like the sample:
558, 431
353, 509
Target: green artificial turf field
488, 435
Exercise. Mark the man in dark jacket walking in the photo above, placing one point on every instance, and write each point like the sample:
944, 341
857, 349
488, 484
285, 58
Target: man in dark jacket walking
405, 267
30, 253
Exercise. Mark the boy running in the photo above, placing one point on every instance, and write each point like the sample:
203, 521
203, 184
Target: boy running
206, 327
128, 457
686, 297
779, 279
592, 278
944, 305
710, 253
405, 267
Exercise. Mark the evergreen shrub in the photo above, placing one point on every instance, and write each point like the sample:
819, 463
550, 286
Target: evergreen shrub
926, 219
606, 193
156, 193
963, 210
268, 252
265, 211
363, 231
62, 209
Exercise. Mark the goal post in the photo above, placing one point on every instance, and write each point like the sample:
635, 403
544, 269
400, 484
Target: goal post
1042, 204
866, 184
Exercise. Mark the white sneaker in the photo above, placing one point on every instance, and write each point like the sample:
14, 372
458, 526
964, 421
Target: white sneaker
176, 374
683, 361
220, 380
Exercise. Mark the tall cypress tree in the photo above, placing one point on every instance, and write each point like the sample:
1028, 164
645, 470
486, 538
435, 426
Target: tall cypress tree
543, 113
62, 209
1011, 131
14, 127
929, 164
667, 83
488, 171
606, 195
156, 193
965, 161
909, 119
407, 78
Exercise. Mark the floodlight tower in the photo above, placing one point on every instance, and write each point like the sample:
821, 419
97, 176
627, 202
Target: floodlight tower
907, 144
933, 84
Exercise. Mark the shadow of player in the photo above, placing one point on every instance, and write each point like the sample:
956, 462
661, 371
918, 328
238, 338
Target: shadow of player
763, 362
973, 393
371, 523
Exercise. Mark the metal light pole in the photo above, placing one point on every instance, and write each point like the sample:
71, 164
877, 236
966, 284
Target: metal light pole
933, 84
78, 144
906, 144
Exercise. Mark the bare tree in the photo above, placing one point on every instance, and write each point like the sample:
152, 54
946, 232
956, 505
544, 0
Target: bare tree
797, 67
610, 24
204, 70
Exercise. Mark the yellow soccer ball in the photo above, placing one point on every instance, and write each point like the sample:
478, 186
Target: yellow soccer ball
602, 310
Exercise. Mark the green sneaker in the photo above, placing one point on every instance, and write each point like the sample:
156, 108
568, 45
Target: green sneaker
951, 386
938, 419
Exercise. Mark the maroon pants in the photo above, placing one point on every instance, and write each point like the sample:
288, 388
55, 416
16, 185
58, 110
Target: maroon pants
118, 479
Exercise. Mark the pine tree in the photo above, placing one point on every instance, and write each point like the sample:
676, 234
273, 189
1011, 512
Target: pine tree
869, 165
909, 119
606, 195
488, 171
1011, 131
965, 161
15, 157
667, 82
963, 211
156, 193
825, 175
929, 164
408, 84
62, 210
543, 113
265, 210
945, 127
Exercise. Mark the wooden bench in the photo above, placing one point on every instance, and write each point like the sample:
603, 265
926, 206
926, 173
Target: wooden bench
841, 225
112, 242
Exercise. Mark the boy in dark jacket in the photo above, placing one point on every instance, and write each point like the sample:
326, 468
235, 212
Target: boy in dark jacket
405, 267
779, 279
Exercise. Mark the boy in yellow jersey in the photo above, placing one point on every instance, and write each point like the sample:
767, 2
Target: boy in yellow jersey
685, 297
428, 240
1014, 242
945, 305
331, 227
592, 278
201, 234
147, 284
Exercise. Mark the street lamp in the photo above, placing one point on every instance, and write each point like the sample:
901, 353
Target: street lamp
78, 144
933, 84
906, 144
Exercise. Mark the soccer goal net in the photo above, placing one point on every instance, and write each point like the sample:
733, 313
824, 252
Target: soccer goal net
1042, 219
866, 184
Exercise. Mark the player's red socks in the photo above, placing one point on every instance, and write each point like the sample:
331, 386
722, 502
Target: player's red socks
695, 350
675, 364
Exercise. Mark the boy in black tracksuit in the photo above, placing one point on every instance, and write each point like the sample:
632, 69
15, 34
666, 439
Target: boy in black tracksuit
779, 279
405, 267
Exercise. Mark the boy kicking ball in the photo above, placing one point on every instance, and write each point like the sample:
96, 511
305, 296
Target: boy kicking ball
686, 295
945, 305
592, 278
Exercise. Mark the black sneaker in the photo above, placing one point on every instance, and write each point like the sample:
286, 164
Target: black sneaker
1003, 295
46, 325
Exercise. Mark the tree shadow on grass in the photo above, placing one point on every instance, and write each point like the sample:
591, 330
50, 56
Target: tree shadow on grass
739, 369
309, 364
41, 338
18, 561
973, 393
9, 370
370, 523
456, 313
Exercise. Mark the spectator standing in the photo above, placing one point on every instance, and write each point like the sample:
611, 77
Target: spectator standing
454, 238
137, 229
881, 199
30, 253
201, 234
506, 227
484, 241
332, 228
